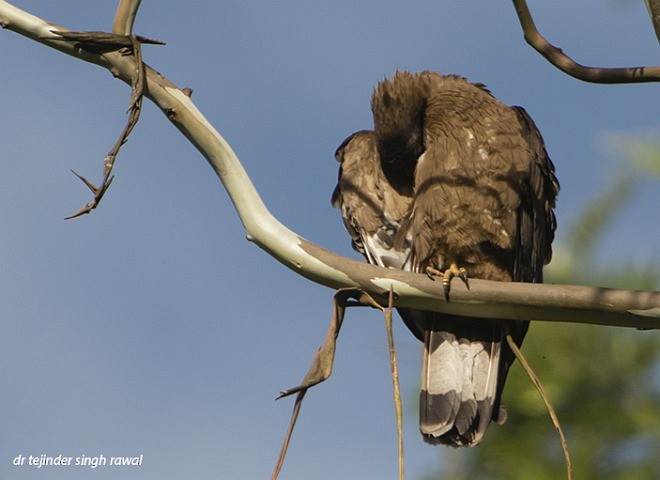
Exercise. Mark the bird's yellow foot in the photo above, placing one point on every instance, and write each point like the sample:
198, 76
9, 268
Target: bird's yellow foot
447, 275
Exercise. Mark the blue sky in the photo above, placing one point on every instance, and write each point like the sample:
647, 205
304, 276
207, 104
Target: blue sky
152, 326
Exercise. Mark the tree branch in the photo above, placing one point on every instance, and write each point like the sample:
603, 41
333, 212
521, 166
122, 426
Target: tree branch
485, 299
567, 65
125, 17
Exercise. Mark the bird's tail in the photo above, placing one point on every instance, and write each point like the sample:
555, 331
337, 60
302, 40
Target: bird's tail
462, 380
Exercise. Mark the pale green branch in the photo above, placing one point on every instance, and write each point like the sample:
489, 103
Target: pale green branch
485, 299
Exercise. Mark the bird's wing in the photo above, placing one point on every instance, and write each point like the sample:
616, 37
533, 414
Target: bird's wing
372, 210
536, 222
536, 218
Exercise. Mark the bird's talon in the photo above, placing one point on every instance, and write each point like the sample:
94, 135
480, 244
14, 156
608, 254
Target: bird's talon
451, 272
432, 273
462, 274
445, 289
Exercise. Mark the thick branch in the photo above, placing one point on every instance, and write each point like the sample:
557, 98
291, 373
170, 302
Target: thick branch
484, 299
567, 65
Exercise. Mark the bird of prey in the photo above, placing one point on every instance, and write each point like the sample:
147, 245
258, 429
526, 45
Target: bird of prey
451, 182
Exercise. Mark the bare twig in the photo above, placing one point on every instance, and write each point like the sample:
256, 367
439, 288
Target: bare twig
97, 42
324, 358
537, 383
567, 65
287, 438
395, 382
485, 299
97, 191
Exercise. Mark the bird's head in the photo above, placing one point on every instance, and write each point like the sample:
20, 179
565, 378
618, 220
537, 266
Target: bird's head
398, 106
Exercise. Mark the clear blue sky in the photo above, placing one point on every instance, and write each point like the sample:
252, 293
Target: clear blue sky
152, 326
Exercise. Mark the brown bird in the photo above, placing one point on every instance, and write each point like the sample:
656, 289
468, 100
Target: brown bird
451, 182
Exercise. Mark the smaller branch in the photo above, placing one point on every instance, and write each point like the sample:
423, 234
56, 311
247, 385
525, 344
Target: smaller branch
97, 191
387, 312
567, 65
137, 88
98, 42
125, 17
324, 359
537, 383
289, 433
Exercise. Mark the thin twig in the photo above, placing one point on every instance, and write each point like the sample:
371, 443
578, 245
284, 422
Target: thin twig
98, 42
567, 65
395, 382
107, 42
323, 360
537, 383
289, 432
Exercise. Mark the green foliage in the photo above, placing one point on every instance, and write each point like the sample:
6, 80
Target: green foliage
604, 382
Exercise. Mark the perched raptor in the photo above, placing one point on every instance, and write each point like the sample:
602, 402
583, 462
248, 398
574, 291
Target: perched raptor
451, 182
